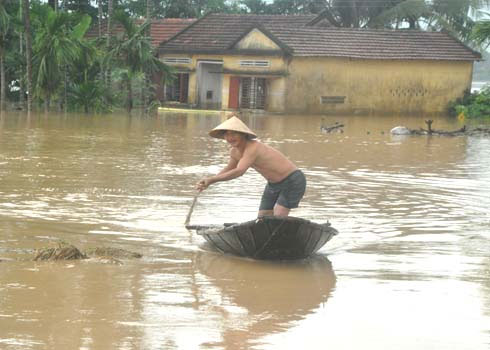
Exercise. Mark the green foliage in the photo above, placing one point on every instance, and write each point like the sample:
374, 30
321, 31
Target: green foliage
57, 45
472, 105
88, 96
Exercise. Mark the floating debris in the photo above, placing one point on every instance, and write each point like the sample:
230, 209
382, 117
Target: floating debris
108, 252
337, 127
402, 130
64, 251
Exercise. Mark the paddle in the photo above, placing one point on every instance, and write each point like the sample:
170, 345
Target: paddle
188, 218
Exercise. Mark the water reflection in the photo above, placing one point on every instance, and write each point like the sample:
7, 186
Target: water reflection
271, 296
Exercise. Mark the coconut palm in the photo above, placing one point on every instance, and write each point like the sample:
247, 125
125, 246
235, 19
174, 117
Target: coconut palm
481, 31
452, 15
57, 44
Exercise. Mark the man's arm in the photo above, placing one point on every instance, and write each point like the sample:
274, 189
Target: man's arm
233, 170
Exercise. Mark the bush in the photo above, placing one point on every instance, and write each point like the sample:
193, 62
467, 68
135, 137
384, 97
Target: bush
472, 105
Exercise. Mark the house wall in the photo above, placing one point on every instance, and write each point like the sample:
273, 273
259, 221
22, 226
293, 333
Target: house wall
274, 73
374, 86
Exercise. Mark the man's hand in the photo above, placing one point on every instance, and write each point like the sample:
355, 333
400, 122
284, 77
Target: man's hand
203, 184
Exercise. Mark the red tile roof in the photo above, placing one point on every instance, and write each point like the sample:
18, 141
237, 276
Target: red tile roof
161, 29
218, 32
374, 44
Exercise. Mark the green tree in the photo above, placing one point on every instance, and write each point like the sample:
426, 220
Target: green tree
452, 15
133, 53
57, 44
481, 31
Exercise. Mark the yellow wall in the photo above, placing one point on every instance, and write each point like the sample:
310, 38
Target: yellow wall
369, 86
276, 85
375, 86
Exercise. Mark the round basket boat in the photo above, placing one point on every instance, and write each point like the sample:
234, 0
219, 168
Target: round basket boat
270, 237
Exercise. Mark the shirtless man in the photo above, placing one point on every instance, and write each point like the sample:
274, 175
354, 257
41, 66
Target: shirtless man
285, 182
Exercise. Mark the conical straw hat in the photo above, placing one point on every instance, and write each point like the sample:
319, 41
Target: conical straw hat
233, 124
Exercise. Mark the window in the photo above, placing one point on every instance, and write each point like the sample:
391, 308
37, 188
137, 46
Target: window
177, 89
252, 93
177, 60
255, 63
332, 99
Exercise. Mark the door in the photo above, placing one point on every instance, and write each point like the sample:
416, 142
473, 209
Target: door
209, 84
234, 92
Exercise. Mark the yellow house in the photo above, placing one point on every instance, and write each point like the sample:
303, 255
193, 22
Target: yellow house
298, 64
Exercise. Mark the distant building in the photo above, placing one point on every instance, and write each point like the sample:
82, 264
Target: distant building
300, 64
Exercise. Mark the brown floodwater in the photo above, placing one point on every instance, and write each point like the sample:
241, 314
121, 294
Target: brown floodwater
410, 268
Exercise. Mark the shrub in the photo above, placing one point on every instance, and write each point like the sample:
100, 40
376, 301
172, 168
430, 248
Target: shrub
472, 105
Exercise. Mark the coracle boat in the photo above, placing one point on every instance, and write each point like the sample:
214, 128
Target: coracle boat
269, 237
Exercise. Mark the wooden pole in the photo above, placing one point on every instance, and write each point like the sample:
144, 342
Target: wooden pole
188, 218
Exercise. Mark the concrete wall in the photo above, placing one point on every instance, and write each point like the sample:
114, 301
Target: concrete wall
347, 85
374, 86
275, 87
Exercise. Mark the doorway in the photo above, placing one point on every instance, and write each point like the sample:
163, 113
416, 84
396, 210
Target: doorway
210, 78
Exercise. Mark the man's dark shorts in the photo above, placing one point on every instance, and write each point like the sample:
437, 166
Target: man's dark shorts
287, 192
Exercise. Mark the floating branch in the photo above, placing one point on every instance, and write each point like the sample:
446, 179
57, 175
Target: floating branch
402, 130
337, 127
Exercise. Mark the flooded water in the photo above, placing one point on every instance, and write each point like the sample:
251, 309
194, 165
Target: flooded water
410, 268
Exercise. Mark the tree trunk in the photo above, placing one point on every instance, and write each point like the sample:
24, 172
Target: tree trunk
99, 6
21, 79
65, 91
27, 27
130, 95
110, 11
145, 90
53, 4
2, 80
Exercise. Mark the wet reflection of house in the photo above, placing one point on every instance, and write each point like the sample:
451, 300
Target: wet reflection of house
300, 64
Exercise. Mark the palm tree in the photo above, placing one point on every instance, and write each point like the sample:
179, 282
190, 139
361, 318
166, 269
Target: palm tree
134, 53
451, 15
56, 45
481, 32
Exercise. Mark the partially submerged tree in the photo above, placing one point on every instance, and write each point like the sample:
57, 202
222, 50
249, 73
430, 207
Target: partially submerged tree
56, 46
133, 53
